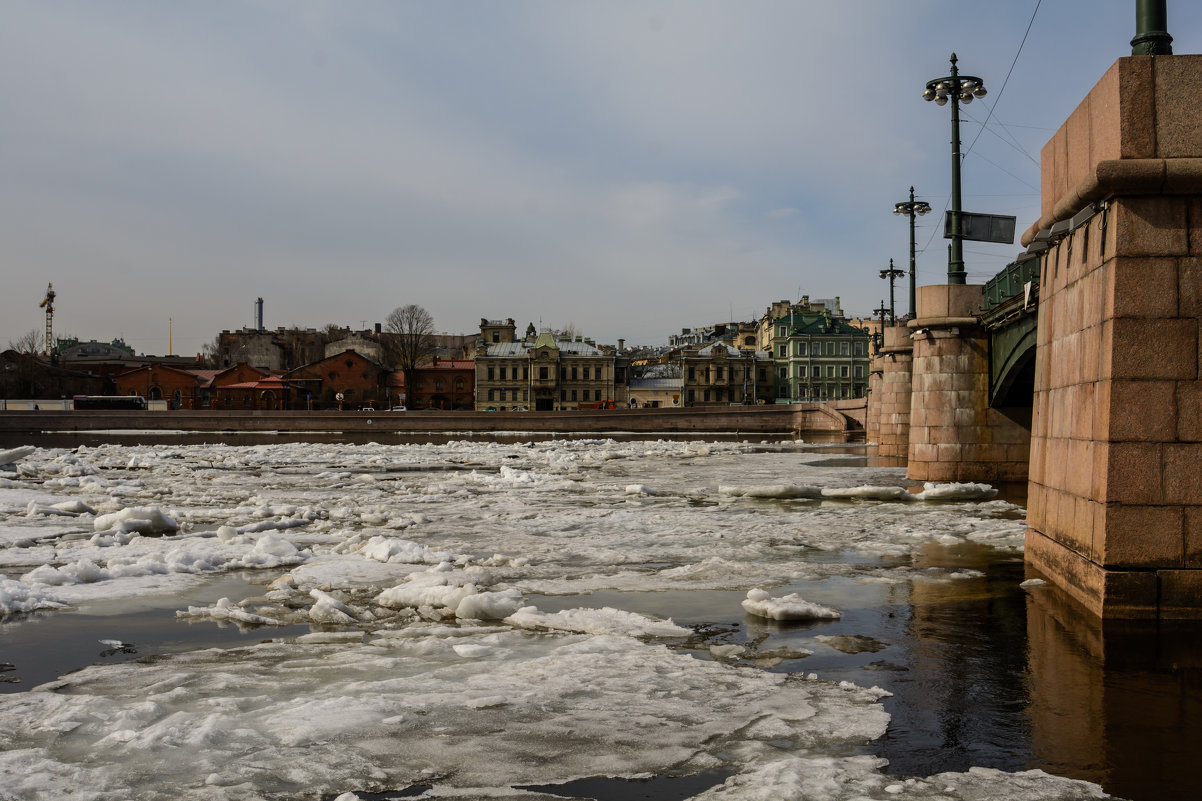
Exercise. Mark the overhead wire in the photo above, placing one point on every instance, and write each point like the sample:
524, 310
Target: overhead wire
1008, 73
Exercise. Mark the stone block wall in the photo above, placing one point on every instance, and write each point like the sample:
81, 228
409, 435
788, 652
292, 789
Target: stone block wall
1115, 493
954, 435
896, 360
872, 426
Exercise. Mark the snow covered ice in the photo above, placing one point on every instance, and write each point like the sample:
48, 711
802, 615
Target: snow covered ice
419, 571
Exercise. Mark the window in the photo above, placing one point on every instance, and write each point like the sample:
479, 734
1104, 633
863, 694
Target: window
573, 375
492, 394
438, 385
496, 336
459, 385
763, 374
784, 373
801, 371
859, 348
801, 349
542, 373
843, 371
830, 371
783, 392
596, 394
573, 391
844, 348
692, 373
563, 395
491, 374
718, 395
859, 371
782, 351
502, 374
692, 395
585, 374
525, 394
526, 373
563, 374
780, 332
719, 369
707, 396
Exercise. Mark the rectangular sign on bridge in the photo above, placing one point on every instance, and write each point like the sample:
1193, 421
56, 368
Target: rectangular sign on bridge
982, 227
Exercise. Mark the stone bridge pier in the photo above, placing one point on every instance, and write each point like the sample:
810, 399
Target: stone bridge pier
954, 434
1115, 492
893, 393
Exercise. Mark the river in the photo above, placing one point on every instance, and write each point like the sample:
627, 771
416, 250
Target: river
972, 669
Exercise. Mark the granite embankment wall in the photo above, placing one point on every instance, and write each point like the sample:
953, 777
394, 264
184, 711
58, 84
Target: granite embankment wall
774, 419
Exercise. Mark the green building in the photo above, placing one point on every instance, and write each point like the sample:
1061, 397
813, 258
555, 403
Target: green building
817, 357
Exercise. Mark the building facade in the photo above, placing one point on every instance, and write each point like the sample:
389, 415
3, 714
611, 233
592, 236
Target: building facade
445, 384
818, 357
543, 373
720, 375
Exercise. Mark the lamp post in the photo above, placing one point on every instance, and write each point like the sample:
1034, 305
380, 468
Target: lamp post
878, 339
892, 274
957, 88
912, 208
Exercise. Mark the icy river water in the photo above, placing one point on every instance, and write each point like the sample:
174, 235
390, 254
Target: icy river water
589, 618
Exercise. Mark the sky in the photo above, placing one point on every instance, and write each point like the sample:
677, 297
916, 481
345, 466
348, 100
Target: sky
626, 168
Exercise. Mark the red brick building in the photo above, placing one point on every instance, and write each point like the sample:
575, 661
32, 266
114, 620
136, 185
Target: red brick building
360, 381
182, 389
441, 384
271, 393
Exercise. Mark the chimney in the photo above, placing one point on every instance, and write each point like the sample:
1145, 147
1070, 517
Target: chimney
621, 345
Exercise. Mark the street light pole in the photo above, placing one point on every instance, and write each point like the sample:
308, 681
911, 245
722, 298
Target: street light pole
892, 274
911, 208
956, 88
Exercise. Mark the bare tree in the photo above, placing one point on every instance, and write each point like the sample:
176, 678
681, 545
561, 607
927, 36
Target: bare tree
28, 343
409, 340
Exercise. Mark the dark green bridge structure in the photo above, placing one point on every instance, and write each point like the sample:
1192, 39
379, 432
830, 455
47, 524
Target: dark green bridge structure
1010, 314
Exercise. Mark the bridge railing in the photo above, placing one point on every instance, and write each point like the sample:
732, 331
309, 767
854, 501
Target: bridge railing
1011, 281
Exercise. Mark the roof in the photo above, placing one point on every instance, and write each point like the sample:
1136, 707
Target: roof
636, 384
818, 324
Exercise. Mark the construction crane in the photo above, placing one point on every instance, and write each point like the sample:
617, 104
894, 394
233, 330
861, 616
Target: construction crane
48, 304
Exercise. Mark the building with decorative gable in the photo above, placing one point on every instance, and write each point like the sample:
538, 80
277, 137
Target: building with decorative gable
542, 373
818, 357
720, 374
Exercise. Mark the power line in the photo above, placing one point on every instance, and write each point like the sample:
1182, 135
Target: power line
1012, 63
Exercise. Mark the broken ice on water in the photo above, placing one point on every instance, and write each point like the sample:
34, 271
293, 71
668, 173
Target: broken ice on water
418, 570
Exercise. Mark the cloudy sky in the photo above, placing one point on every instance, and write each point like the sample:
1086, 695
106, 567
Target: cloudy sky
627, 167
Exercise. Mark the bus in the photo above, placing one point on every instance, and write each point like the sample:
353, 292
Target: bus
89, 402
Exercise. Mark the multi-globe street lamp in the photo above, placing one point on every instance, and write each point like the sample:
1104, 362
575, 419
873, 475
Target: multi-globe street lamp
956, 88
912, 208
892, 274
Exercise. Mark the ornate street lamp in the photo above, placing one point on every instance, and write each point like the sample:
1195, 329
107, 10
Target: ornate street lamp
957, 88
878, 337
912, 208
892, 274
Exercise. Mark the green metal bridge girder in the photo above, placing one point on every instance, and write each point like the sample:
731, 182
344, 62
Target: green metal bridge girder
1010, 318
1011, 351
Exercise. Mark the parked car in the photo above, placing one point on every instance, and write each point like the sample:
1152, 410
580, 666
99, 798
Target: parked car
399, 409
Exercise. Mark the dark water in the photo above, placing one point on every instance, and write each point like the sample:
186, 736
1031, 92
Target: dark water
985, 673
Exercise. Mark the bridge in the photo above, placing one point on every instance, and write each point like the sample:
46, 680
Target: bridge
1078, 369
